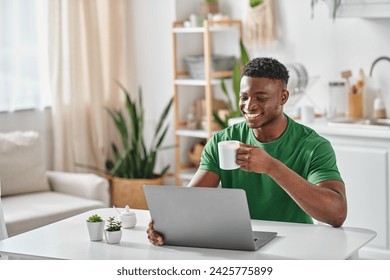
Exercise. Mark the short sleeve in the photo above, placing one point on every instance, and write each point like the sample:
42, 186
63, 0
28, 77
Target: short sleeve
209, 159
323, 164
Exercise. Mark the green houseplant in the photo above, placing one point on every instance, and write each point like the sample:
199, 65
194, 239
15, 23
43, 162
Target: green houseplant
135, 160
113, 232
233, 102
134, 164
95, 225
113, 225
94, 219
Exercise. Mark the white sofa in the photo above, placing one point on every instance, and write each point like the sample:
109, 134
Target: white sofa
32, 197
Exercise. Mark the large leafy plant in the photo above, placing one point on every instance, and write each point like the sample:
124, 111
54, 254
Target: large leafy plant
136, 160
233, 102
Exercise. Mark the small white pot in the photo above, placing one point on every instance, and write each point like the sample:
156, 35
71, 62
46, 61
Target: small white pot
128, 218
113, 237
95, 230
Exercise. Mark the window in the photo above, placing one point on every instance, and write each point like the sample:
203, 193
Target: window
24, 79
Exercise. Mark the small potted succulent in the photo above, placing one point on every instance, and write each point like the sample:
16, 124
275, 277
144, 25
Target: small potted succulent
95, 226
113, 231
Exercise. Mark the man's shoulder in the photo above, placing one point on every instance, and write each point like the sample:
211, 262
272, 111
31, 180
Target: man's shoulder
306, 133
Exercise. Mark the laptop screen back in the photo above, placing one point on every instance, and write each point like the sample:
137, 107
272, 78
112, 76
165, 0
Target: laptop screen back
201, 217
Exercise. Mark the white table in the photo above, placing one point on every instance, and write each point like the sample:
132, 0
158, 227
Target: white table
68, 239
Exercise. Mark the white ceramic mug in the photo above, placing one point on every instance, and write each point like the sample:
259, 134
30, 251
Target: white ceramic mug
227, 151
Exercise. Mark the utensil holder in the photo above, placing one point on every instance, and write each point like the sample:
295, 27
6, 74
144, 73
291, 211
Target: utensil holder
355, 105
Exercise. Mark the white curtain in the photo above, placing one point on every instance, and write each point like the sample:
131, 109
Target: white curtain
24, 65
87, 56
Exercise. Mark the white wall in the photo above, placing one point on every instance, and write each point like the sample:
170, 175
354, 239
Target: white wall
325, 46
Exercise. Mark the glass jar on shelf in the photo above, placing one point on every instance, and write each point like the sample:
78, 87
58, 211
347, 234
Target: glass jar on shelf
337, 100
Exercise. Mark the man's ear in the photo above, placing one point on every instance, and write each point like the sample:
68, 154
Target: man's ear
284, 96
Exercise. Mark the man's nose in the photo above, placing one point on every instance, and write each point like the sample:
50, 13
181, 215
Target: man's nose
250, 104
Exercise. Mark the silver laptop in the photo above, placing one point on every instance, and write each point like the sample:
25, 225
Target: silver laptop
204, 217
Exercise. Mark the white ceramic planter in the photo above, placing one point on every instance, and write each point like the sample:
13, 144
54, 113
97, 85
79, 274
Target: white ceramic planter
95, 230
113, 237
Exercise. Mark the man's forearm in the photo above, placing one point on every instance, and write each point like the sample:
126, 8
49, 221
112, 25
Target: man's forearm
325, 202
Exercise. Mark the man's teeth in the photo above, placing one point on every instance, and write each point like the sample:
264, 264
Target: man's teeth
253, 115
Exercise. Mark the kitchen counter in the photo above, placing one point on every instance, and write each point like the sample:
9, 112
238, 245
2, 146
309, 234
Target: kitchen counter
323, 127
363, 158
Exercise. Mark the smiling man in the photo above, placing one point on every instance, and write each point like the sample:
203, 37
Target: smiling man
288, 171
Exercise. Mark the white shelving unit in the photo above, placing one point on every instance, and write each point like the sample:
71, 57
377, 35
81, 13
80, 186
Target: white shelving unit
184, 170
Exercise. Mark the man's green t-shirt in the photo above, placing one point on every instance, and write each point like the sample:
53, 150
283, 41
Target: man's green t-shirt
299, 147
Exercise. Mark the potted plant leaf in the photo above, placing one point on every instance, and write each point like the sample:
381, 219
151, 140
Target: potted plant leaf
95, 226
133, 166
113, 231
233, 103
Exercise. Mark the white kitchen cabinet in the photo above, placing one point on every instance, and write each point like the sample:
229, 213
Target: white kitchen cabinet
364, 171
364, 163
363, 8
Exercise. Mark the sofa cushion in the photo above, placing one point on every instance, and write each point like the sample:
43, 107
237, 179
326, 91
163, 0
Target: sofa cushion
28, 211
22, 166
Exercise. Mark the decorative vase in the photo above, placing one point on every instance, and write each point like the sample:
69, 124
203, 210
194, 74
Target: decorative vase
131, 191
209, 8
113, 237
95, 230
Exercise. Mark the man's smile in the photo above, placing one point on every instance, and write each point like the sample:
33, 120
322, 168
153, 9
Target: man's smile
252, 116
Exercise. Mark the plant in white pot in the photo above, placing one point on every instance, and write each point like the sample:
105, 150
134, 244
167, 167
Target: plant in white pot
113, 231
95, 226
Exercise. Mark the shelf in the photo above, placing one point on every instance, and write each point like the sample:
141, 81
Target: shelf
198, 133
215, 28
194, 82
212, 78
363, 8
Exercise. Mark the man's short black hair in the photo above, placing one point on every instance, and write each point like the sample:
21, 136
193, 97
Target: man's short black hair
266, 67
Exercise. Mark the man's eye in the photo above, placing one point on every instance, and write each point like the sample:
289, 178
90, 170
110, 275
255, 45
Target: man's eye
243, 98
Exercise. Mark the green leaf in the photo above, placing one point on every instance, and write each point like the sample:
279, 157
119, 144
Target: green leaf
255, 3
225, 91
161, 138
236, 83
135, 161
244, 54
219, 121
163, 118
120, 125
165, 170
